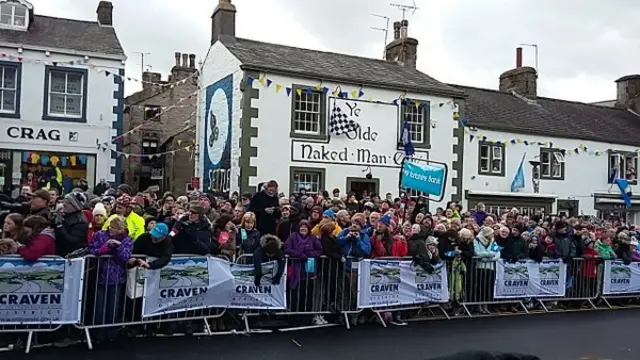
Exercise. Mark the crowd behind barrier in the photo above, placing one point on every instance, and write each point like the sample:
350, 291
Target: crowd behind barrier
206, 295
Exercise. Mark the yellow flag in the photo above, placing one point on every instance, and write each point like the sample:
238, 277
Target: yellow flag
319, 87
299, 92
354, 93
418, 103
278, 88
262, 81
188, 148
519, 141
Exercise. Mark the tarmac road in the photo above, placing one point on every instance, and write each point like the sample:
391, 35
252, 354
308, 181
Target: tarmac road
597, 335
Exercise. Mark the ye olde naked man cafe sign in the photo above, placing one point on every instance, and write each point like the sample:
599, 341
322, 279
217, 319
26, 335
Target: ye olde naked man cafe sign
373, 144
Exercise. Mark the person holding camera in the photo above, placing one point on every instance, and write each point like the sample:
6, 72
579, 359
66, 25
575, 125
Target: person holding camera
266, 207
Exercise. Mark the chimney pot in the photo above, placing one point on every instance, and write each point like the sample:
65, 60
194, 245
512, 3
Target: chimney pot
177, 54
105, 13
192, 61
185, 60
518, 57
223, 20
404, 29
396, 30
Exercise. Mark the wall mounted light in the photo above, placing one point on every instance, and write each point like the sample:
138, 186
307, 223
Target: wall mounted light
434, 123
47, 53
369, 176
20, 50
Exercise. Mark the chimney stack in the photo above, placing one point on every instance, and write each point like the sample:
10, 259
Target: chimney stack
523, 80
192, 61
150, 77
628, 92
105, 13
396, 30
185, 60
403, 49
223, 20
177, 54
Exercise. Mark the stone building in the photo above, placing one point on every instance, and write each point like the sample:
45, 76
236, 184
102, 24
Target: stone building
162, 117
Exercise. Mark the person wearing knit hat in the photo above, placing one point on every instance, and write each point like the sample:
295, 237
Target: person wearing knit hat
99, 215
72, 203
386, 220
329, 215
70, 227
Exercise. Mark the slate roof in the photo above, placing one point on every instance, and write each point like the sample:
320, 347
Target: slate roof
501, 111
51, 32
333, 66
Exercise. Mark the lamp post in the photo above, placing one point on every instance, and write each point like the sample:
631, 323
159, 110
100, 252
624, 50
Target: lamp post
535, 175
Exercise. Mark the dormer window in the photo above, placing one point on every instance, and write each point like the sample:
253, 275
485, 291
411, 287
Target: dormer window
13, 15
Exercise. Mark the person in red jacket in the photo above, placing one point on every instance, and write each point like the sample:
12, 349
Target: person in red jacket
37, 239
381, 239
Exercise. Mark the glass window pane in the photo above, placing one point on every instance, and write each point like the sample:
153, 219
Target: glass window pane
484, 151
74, 83
21, 11
57, 82
484, 164
5, 19
74, 104
6, 9
497, 152
8, 100
496, 166
56, 104
9, 78
545, 169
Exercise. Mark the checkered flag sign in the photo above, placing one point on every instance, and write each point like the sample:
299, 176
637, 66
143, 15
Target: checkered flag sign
340, 123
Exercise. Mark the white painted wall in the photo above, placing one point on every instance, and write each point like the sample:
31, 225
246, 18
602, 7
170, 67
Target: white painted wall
100, 103
218, 64
585, 174
275, 146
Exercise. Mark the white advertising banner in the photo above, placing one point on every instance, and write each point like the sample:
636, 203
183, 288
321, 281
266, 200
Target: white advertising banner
620, 278
390, 283
48, 291
527, 278
247, 295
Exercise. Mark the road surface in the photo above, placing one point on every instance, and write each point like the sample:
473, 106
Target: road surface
571, 336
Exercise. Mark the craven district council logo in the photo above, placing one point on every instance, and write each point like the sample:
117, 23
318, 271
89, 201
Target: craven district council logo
516, 275
31, 279
246, 275
550, 275
620, 274
428, 281
384, 276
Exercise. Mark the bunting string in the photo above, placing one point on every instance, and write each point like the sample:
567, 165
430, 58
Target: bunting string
106, 146
356, 94
578, 149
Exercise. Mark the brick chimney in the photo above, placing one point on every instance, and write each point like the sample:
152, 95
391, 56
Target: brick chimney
105, 13
523, 79
223, 20
403, 49
628, 90
150, 77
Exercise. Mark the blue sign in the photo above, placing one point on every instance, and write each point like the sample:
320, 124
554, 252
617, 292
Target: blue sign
426, 178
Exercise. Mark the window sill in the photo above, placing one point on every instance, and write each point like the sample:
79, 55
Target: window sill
415, 146
7, 115
64, 118
296, 135
631, 182
552, 178
491, 174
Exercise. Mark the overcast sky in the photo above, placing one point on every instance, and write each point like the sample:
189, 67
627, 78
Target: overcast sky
584, 45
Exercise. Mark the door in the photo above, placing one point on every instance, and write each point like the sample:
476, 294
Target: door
6, 176
359, 185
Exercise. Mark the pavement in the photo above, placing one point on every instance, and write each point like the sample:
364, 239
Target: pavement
598, 335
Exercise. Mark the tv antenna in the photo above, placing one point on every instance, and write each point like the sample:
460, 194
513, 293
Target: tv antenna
405, 8
142, 56
385, 31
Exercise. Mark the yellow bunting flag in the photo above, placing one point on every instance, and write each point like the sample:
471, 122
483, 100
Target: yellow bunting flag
354, 93
262, 81
278, 88
319, 87
188, 148
299, 92
418, 103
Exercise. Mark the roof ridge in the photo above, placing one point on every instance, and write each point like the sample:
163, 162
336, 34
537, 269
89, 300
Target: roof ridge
322, 51
67, 19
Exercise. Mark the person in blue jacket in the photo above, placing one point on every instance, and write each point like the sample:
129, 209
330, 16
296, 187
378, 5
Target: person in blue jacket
355, 242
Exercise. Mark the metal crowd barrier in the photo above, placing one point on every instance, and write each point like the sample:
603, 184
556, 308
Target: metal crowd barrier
329, 290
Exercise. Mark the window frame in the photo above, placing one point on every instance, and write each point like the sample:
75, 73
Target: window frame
322, 119
85, 92
553, 157
620, 154
503, 156
14, 6
147, 159
426, 130
151, 108
16, 113
293, 170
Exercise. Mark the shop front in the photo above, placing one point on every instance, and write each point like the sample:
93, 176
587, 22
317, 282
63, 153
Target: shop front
38, 156
497, 202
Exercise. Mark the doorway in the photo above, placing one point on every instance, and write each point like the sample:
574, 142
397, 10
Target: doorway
359, 185
6, 173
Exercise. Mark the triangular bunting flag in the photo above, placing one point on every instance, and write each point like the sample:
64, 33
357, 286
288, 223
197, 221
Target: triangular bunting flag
179, 142
278, 88
354, 94
299, 92
360, 93
288, 91
262, 81
471, 137
107, 73
188, 148
325, 90
269, 82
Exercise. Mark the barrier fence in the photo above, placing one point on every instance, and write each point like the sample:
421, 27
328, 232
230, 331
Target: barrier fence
95, 298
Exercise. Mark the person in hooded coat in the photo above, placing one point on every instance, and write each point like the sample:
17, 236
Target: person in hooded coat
72, 227
290, 225
266, 207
